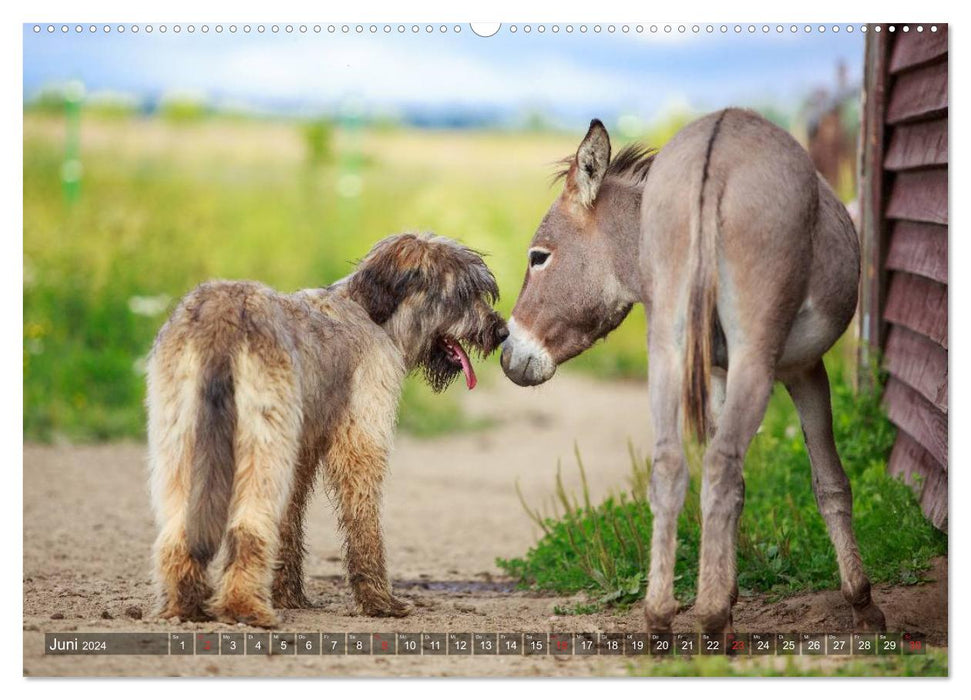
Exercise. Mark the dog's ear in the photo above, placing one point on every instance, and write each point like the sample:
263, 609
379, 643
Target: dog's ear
384, 279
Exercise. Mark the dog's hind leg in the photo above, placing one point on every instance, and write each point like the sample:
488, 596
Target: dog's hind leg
288, 580
173, 393
357, 461
268, 431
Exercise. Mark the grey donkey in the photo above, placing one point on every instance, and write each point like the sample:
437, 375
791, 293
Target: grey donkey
747, 266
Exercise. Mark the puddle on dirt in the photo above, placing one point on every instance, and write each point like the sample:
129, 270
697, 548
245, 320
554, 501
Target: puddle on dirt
490, 586
459, 586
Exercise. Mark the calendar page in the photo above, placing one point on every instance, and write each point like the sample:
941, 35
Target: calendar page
490, 350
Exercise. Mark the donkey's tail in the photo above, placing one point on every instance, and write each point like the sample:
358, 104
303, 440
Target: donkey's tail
213, 461
702, 290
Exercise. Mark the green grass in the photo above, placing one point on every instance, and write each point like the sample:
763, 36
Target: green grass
165, 205
934, 663
603, 549
425, 414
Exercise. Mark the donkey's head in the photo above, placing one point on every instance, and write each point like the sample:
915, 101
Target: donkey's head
580, 261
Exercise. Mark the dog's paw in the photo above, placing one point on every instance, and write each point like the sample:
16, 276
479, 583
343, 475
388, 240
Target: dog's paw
250, 613
386, 607
253, 618
167, 612
290, 599
193, 613
292, 603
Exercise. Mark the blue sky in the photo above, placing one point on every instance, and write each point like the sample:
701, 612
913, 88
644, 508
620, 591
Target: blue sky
566, 76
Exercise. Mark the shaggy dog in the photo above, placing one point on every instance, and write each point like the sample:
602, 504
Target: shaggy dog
252, 392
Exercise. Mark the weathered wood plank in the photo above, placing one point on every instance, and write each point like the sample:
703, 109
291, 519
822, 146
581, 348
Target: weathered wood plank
919, 195
919, 304
914, 48
919, 363
908, 460
873, 186
920, 249
916, 416
933, 499
921, 463
917, 145
920, 93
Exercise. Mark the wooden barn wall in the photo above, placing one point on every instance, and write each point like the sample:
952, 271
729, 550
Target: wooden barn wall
905, 226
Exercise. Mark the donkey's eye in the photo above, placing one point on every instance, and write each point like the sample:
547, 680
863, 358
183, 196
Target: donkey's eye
538, 258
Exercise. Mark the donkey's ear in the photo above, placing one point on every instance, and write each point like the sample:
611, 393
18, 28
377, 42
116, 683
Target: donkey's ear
592, 159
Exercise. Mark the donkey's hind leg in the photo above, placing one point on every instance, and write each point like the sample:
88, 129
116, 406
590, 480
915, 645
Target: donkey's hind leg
810, 393
748, 387
716, 401
669, 483
268, 432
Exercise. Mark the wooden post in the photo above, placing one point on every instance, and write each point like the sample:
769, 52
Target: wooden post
872, 194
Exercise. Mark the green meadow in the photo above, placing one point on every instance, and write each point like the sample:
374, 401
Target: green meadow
603, 549
164, 203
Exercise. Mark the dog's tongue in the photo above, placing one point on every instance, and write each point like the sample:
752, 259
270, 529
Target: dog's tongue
470, 379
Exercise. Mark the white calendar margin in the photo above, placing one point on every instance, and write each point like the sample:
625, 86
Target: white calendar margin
562, 11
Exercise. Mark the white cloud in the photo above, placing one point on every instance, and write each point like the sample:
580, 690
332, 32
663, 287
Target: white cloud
568, 77
392, 73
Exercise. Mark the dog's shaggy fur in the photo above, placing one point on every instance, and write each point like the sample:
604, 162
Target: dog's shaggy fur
252, 392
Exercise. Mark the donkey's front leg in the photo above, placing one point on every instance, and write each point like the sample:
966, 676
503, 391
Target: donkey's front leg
748, 387
810, 393
669, 482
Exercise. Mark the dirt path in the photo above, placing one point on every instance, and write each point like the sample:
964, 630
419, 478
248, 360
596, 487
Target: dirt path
451, 509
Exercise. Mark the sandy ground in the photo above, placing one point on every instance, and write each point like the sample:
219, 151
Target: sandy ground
451, 509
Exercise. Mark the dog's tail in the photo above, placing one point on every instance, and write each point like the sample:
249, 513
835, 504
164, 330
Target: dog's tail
213, 461
702, 291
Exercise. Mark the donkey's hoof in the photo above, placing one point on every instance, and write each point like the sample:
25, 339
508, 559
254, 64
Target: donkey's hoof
718, 621
869, 619
659, 619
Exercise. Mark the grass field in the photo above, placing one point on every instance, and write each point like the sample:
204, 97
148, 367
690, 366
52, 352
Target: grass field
933, 664
164, 205
603, 549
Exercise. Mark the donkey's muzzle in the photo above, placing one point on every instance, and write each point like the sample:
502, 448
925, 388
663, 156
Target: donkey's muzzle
524, 360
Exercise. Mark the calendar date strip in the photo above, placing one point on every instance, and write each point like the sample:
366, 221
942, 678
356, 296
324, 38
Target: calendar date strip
480, 644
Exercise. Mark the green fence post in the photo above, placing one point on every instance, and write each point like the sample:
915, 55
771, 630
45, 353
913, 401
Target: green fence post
71, 168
